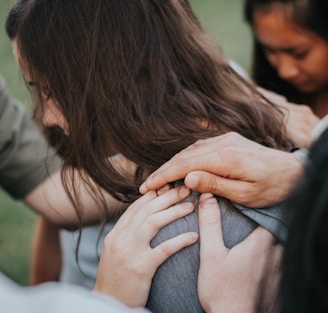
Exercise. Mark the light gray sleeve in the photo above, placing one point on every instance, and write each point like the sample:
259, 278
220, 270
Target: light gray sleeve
23, 150
174, 287
84, 272
56, 298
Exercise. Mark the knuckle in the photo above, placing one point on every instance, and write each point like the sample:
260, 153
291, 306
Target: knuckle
166, 249
232, 136
243, 198
115, 246
139, 268
304, 108
151, 223
199, 142
178, 157
247, 195
210, 218
227, 153
213, 185
180, 160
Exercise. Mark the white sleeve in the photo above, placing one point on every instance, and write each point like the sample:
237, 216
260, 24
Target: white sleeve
239, 69
56, 298
319, 128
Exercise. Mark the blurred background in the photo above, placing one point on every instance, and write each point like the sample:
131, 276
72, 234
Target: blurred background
222, 19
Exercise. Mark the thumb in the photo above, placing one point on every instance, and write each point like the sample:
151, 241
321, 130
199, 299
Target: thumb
206, 182
201, 181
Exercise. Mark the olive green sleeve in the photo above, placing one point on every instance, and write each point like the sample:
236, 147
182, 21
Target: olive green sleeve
25, 158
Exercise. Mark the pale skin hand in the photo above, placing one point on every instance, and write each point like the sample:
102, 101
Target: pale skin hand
233, 167
229, 279
300, 122
128, 263
299, 119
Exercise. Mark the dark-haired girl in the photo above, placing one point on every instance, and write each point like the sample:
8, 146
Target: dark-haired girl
290, 53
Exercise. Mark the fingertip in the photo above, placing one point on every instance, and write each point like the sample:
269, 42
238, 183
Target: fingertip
151, 183
200, 181
207, 200
192, 180
194, 236
143, 188
175, 244
188, 239
146, 185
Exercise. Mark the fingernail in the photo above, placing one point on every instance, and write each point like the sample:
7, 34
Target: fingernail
143, 187
184, 191
187, 205
192, 180
194, 236
148, 180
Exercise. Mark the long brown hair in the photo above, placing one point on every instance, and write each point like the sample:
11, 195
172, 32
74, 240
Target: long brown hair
136, 77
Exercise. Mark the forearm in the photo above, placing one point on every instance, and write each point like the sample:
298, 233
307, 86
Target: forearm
51, 201
46, 253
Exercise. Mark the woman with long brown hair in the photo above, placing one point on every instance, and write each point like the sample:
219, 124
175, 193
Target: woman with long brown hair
140, 78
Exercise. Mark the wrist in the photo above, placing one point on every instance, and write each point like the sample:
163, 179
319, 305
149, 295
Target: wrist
296, 163
301, 155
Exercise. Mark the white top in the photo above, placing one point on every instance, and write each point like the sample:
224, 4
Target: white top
56, 298
319, 128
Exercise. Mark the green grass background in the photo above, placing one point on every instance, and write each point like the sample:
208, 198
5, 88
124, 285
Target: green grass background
222, 19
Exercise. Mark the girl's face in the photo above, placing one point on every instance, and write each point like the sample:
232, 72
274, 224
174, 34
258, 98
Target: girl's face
299, 56
52, 116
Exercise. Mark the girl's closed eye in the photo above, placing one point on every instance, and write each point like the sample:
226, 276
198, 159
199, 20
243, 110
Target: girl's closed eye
300, 54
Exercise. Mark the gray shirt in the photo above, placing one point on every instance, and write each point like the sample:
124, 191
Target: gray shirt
174, 287
23, 150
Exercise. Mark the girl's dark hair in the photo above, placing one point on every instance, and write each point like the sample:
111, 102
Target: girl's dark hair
301, 13
136, 77
304, 283
13, 17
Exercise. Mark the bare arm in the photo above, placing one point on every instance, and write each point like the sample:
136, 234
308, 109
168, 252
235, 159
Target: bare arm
50, 200
46, 253
233, 167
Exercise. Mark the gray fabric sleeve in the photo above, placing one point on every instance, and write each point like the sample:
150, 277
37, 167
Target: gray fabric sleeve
174, 287
83, 273
23, 150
